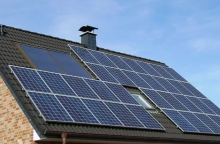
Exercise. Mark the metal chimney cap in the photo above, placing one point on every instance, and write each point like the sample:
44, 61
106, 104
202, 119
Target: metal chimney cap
87, 28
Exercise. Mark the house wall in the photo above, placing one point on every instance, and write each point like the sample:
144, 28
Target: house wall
14, 126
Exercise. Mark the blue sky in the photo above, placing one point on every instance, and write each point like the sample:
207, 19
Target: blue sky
184, 34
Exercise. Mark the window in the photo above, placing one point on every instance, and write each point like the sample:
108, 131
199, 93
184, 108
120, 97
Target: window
138, 97
54, 61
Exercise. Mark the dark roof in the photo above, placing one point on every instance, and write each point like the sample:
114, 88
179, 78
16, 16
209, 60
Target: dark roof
9, 55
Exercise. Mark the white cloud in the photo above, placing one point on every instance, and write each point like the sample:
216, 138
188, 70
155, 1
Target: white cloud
205, 44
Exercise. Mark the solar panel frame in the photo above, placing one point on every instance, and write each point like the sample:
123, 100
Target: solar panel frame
102, 112
156, 98
148, 69
33, 84
183, 124
173, 73
161, 71
211, 105
209, 122
56, 83
140, 82
104, 75
144, 116
120, 77
102, 58
135, 66
196, 122
77, 110
152, 82
193, 90
55, 107
88, 58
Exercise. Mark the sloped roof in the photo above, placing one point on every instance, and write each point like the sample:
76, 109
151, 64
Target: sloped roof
10, 55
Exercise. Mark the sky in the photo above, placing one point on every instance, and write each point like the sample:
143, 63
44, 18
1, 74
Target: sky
184, 34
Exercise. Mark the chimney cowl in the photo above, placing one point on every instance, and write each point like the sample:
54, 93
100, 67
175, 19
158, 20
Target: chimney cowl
88, 38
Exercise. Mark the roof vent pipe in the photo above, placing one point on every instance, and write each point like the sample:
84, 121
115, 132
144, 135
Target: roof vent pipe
88, 37
2, 30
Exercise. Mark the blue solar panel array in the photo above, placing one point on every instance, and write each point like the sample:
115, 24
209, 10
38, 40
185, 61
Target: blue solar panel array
168, 90
63, 98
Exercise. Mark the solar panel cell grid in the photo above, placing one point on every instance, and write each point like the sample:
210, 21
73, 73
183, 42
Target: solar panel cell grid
196, 122
133, 65
152, 82
124, 115
30, 79
216, 119
102, 58
211, 124
167, 85
180, 121
84, 55
120, 77
193, 90
101, 73
180, 87
136, 79
77, 110
101, 112
156, 98
173, 101
146, 119
122, 93
211, 105
118, 62
56, 83
148, 68
49, 107
174, 74
80, 87
187, 103
201, 105
101, 90
161, 71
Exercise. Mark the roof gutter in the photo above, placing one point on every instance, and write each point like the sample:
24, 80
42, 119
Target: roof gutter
125, 139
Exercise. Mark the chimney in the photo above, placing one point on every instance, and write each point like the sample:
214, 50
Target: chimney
88, 37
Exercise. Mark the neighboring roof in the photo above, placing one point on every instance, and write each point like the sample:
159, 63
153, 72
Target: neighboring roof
10, 55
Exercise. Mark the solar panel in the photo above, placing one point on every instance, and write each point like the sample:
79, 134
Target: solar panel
180, 121
133, 65
56, 83
101, 90
148, 68
101, 112
124, 115
118, 62
180, 87
146, 119
167, 85
101, 73
84, 55
211, 105
187, 103
121, 93
173, 101
102, 58
161, 71
211, 124
152, 82
49, 107
216, 119
136, 79
201, 105
120, 77
30, 79
196, 122
174, 74
156, 98
80, 87
193, 90
77, 110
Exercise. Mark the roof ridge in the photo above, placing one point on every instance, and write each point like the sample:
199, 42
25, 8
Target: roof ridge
41, 34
